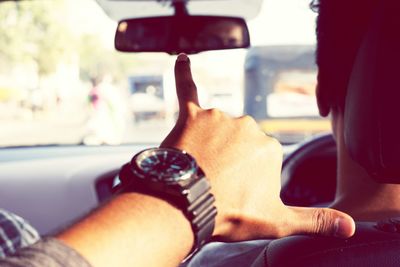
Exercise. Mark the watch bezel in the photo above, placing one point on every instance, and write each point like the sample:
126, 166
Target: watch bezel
184, 175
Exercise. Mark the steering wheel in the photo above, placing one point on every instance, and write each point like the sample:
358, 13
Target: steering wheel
309, 173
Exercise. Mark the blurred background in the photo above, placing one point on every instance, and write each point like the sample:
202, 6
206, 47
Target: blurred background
63, 83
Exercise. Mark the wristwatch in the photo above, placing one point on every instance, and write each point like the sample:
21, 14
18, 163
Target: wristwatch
173, 175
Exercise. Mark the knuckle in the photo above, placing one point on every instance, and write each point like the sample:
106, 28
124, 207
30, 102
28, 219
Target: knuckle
248, 120
318, 221
321, 221
214, 113
274, 145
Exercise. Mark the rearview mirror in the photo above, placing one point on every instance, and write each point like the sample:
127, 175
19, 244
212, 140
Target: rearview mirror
176, 34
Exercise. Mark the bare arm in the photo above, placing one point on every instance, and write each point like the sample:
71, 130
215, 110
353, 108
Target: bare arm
132, 230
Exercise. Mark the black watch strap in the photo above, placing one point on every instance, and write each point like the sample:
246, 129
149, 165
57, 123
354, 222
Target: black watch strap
201, 212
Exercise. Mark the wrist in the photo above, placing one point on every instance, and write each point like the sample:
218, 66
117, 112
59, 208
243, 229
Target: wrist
171, 223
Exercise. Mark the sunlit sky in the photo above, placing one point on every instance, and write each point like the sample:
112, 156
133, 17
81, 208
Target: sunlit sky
283, 22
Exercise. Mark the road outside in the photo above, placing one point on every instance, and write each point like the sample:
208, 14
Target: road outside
69, 126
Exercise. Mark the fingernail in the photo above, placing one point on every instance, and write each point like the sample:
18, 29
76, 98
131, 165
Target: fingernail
343, 228
182, 58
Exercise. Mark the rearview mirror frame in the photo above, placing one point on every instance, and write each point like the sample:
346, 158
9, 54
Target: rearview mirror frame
181, 34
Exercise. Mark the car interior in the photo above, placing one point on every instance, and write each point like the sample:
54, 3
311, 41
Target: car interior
54, 185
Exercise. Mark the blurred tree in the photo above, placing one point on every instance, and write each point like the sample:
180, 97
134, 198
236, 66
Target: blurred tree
97, 60
34, 31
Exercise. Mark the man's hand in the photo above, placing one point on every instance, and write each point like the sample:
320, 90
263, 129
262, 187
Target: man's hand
243, 166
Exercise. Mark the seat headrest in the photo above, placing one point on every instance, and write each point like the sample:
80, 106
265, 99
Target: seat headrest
370, 246
372, 109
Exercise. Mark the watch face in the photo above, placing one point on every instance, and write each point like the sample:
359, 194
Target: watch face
163, 164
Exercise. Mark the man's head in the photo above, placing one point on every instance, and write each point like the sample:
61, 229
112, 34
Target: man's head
366, 139
341, 24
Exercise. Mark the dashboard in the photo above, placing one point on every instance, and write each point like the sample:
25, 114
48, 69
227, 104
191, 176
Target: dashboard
53, 186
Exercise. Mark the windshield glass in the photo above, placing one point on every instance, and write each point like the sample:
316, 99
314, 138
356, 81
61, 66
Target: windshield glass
61, 82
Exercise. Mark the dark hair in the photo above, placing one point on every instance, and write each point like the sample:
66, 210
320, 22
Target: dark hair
341, 24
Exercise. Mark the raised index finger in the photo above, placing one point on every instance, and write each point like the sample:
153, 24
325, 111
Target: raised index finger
185, 86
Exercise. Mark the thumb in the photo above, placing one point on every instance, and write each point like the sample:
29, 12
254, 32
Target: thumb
321, 221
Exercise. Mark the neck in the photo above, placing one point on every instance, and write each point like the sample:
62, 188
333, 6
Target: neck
359, 195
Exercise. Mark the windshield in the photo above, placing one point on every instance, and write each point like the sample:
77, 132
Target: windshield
61, 82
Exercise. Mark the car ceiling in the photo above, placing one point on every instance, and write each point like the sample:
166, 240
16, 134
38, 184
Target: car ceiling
123, 9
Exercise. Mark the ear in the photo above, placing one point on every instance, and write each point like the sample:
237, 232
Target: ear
323, 105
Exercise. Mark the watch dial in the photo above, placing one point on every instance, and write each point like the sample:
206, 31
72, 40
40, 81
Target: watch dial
165, 164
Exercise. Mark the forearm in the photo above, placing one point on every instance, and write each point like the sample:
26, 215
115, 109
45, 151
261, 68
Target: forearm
132, 230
